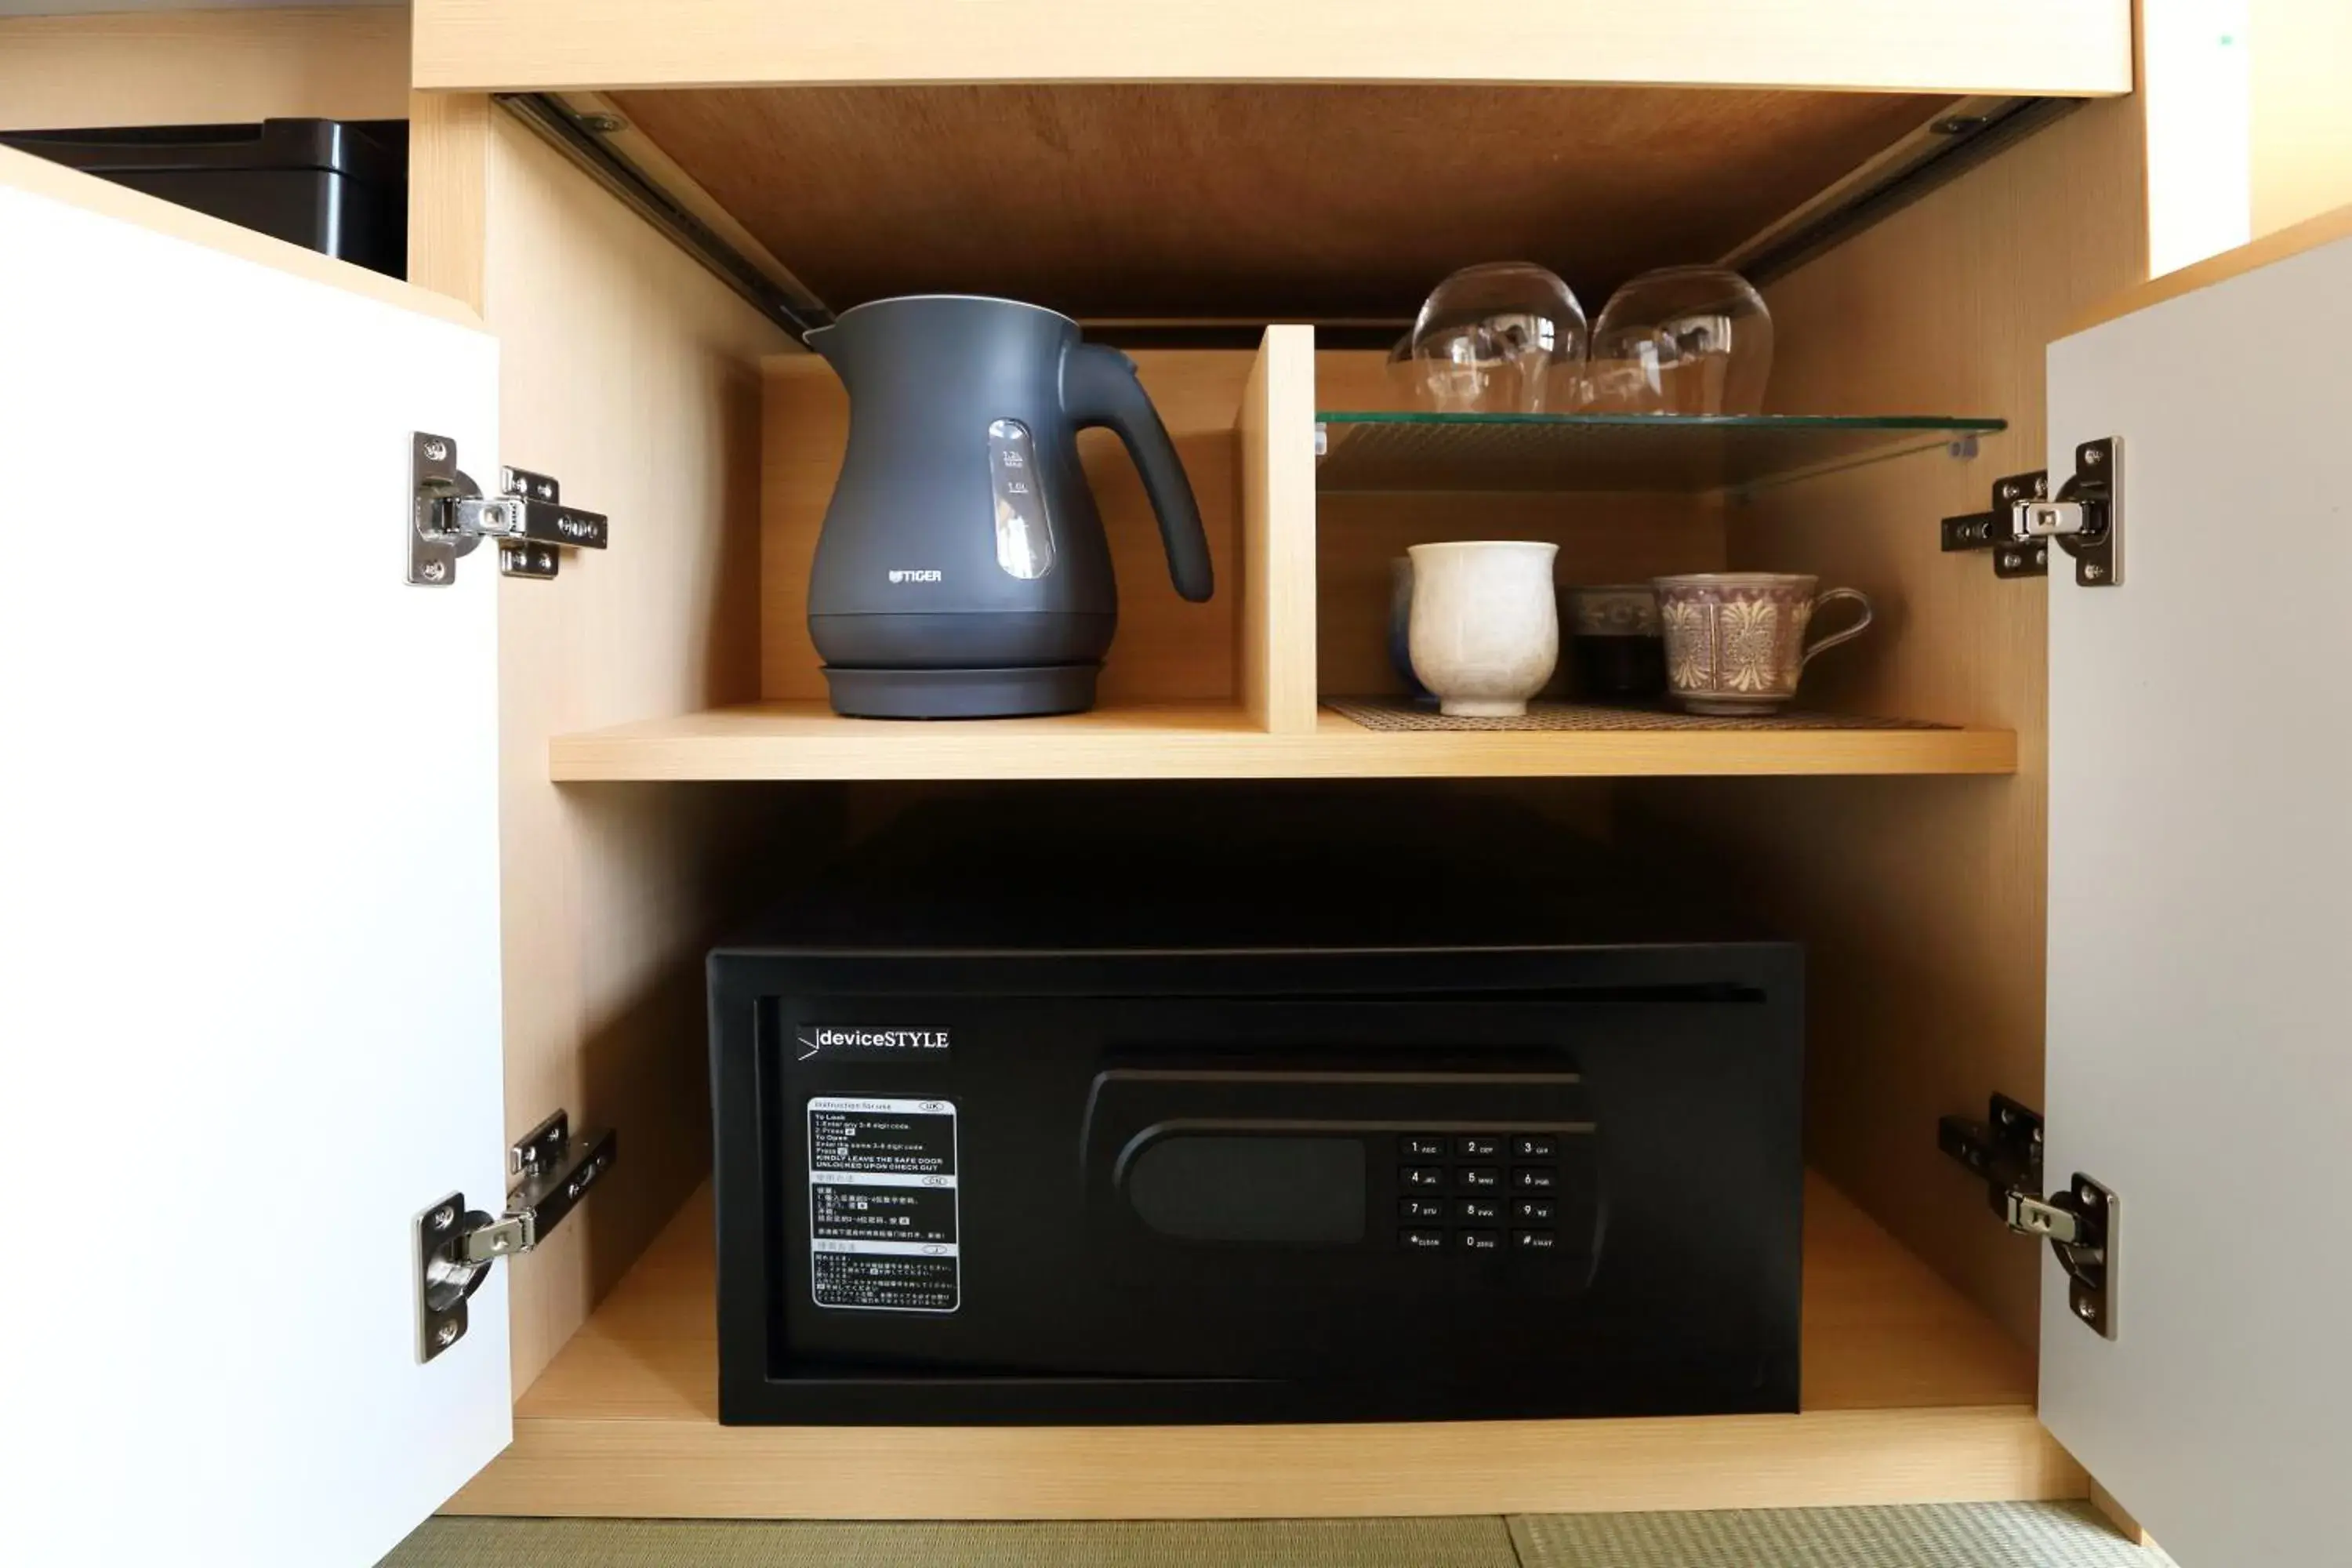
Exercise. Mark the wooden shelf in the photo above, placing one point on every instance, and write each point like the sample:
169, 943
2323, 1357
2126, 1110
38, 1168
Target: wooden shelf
807, 741
1910, 1394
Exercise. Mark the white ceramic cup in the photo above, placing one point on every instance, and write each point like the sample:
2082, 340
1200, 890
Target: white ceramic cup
1485, 632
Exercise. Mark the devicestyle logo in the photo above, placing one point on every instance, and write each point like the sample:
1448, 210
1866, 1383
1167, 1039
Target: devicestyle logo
897, 576
849, 1043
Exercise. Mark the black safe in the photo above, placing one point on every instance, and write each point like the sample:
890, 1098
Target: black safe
1013, 1155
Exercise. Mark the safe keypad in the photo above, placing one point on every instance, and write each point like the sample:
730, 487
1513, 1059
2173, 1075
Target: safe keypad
1459, 1206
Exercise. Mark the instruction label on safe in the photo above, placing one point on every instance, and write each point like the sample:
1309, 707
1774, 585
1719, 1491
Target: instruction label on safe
883, 1216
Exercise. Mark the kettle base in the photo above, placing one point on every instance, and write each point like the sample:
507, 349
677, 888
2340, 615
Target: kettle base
962, 693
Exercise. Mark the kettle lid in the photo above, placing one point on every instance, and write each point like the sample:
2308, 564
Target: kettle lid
968, 299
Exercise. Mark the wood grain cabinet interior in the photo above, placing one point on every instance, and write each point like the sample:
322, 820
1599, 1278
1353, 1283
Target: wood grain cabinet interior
641, 203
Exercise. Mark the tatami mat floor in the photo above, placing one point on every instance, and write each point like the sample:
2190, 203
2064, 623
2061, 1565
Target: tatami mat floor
1954, 1535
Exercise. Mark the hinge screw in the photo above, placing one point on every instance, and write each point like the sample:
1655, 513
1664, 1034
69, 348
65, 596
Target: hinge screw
602, 124
2086, 1309
543, 560
442, 1218
432, 571
2009, 558
2092, 457
447, 1334
435, 451
2041, 555
2093, 570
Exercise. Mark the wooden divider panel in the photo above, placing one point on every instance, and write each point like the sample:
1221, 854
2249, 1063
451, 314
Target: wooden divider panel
1277, 583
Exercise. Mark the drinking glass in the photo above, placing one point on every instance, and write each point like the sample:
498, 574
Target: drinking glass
1489, 339
1681, 340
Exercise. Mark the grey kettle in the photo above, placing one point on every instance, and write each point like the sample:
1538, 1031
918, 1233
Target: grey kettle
962, 571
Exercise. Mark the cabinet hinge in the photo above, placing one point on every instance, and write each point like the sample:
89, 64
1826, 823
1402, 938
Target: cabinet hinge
448, 516
2080, 1223
456, 1246
2085, 517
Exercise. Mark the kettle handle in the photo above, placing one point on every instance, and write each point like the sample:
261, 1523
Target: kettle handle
1099, 387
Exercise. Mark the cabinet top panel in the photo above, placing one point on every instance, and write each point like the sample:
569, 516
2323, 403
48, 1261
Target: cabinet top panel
2010, 46
1139, 202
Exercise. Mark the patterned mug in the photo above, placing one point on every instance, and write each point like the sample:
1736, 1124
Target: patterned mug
1736, 640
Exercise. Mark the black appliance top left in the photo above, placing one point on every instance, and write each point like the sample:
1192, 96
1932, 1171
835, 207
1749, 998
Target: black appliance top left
336, 187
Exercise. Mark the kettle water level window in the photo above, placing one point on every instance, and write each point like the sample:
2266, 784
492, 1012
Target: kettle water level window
1024, 533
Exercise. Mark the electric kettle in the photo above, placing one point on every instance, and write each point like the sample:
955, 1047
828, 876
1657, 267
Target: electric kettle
962, 571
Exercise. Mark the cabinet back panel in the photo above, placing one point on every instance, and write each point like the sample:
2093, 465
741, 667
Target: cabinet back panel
1267, 202
1922, 900
1166, 650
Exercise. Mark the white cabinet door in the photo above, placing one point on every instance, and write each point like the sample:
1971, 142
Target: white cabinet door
249, 893
2200, 915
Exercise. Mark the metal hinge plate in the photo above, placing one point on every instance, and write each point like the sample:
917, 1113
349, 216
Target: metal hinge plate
456, 1246
448, 516
2085, 520
2031, 1215
2080, 1223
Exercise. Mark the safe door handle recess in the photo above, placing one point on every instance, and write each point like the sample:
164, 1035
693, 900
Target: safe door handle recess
456, 1246
448, 516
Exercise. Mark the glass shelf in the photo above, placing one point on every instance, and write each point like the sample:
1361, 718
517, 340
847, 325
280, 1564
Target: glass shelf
1363, 451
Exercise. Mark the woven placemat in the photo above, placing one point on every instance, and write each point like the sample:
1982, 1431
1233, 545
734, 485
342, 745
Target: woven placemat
1401, 714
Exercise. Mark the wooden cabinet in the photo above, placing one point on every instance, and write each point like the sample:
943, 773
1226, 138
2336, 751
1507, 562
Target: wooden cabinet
1848, 45
1254, 207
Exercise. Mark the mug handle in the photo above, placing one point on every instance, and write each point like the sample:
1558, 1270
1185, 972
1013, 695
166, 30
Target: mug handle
1851, 632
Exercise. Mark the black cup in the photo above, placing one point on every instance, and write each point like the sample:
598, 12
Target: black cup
1615, 641
1620, 669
